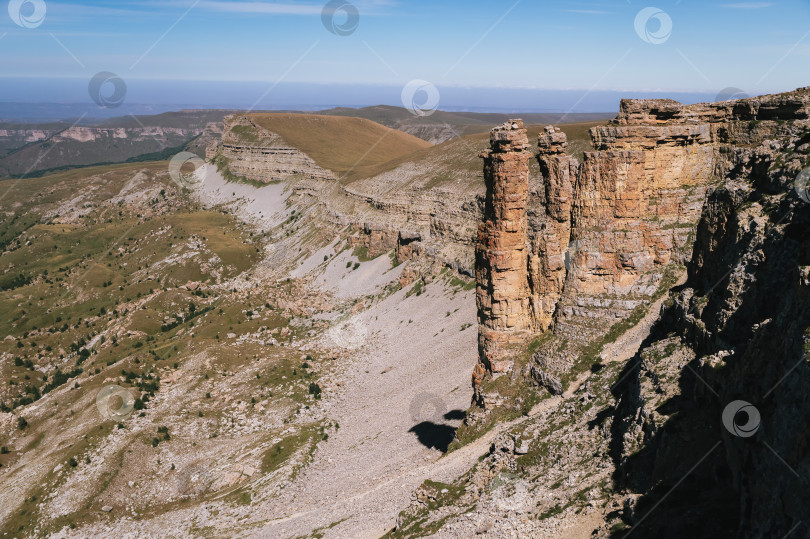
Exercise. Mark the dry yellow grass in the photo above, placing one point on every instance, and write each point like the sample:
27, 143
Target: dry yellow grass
352, 148
460, 155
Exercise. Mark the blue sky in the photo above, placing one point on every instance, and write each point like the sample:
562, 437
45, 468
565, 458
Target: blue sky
759, 47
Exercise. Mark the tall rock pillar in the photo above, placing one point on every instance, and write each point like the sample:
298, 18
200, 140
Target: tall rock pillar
501, 254
554, 253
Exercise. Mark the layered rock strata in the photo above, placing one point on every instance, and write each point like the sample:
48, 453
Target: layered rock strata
503, 298
257, 154
426, 211
602, 232
738, 331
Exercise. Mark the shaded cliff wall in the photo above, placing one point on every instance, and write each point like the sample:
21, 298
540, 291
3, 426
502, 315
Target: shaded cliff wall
738, 331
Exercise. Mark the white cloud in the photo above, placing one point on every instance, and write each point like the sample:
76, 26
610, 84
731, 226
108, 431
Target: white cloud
748, 5
284, 8
589, 11
273, 8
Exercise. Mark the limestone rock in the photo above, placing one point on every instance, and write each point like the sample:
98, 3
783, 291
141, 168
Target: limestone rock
501, 252
543, 379
265, 157
594, 242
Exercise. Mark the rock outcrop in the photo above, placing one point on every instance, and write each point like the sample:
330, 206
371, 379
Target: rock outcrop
504, 308
719, 392
427, 210
602, 232
548, 262
694, 422
250, 151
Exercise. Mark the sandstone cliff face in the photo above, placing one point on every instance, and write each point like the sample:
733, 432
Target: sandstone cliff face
501, 252
252, 152
636, 200
619, 217
550, 252
602, 232
738, 331
694, 422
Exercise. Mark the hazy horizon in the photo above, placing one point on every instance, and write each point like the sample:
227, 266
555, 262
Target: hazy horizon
481, 57
67, 98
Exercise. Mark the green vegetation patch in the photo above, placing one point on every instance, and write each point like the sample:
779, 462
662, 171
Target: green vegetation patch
417, 523
361, 253
590, 353
275, 457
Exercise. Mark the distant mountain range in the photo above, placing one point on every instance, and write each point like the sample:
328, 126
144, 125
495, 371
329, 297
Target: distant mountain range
34, 149
44, 100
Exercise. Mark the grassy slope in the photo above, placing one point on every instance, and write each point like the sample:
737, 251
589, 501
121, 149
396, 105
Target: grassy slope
456, 158
106, 271
350, 147
91, 287
463, 122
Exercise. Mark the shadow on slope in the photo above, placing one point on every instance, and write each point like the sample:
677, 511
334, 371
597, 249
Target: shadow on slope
436, 435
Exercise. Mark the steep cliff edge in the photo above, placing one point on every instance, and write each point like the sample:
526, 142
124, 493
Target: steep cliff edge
718, 398
694, 422
375, 182
610, 234
268, 147
252, 152
503, 292
385, 190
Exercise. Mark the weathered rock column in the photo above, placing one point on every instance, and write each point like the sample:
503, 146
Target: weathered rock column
503, 298
547, 263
